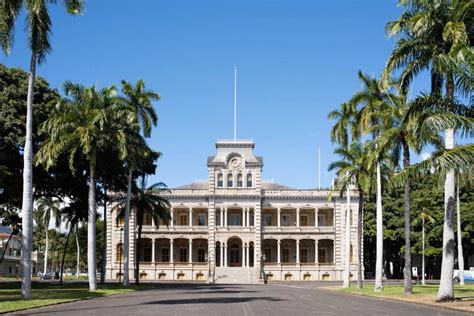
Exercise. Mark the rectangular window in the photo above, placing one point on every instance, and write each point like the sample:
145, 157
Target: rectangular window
201, 219
165, 254
267, 219
322, 255
322, 220
268, 254
183, 255
147, 254
304, 220
285, 255
183, 220
304, 255
251, 219
147, 219
234, 220
285, 220
201, 255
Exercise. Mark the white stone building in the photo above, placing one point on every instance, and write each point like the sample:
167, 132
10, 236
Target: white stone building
222, 228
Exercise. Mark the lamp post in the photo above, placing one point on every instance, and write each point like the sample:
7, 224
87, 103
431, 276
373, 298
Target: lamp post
263, 258
120, 257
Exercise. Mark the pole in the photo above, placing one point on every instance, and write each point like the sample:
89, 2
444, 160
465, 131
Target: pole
423, 253
319, 168
120, 257
235, 102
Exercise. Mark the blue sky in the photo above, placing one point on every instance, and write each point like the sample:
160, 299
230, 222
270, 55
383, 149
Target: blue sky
297, 60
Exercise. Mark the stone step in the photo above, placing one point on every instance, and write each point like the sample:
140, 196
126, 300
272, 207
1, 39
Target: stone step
237, 275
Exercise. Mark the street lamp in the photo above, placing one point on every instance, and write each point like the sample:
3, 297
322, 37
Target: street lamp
263, 258
120, 257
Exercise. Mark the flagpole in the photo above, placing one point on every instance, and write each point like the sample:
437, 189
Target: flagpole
319, 168
235, 102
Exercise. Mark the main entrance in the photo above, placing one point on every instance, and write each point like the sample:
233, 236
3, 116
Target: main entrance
234, 248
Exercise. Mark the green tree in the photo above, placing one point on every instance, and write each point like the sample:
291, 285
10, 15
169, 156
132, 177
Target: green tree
38, 27
433, 34
81, 123
373, 117
354, 166
11, 219
138, 102
49, 209
147, 199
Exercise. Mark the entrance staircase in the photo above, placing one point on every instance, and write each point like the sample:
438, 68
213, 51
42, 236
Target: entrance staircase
236, 275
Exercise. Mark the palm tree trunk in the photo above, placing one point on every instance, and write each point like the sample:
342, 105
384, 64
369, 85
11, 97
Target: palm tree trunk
359, 239
446, 291
137, 264
78, 268
126, 233
104, 245
27, 203
91, 234
407, 215
6, 246
379, 242
459, 235
46, 252
347, 244
64, 254
423, 252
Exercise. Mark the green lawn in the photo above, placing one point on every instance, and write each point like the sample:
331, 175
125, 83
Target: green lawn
48, 294
418, 290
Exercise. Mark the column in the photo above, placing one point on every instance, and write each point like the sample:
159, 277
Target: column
153, 250
316, 215
171, 251
298, 217
225, 255
222, 217
190, 217
316, 252
247, 255
190, 251
172, 217
244, 216
225, 217
333, 251
248, 217
279, 251
278, 217
244, 246
297, 252
221, 255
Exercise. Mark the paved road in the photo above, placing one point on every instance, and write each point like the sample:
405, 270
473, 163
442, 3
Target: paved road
270, 299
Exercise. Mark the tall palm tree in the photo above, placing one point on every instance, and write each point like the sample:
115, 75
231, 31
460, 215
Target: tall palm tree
373, 117
138, 102
82, 121
434, 33
38, 27
423, 216
74, 214
49, 209
10, 218
401, 138
354, 166
340, 134
148, 199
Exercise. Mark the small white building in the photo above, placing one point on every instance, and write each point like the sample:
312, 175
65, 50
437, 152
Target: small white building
222, 228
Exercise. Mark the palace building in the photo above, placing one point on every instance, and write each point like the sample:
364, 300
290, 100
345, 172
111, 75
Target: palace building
229, 228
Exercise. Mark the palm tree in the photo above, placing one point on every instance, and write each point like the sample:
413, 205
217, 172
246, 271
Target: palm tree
434, 33
10, 218
73, 214
148, 199
372, 118
49, 209
354, 166
138, 102
423, 216
459, 235
38, 27
340, 134
81, 122
401, 138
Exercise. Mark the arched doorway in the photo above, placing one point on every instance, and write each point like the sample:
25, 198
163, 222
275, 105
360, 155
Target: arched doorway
234, 252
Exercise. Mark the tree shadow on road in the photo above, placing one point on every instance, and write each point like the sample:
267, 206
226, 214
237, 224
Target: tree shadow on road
215, 300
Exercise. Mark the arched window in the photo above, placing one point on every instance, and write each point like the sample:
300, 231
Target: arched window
249, 180
120, 252
220, 180
230, 181
240, 181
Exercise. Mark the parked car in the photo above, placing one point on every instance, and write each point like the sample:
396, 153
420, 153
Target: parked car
468, 276
47, 276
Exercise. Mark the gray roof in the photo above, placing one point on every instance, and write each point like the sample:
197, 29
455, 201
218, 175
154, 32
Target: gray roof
200, 185
266, 185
